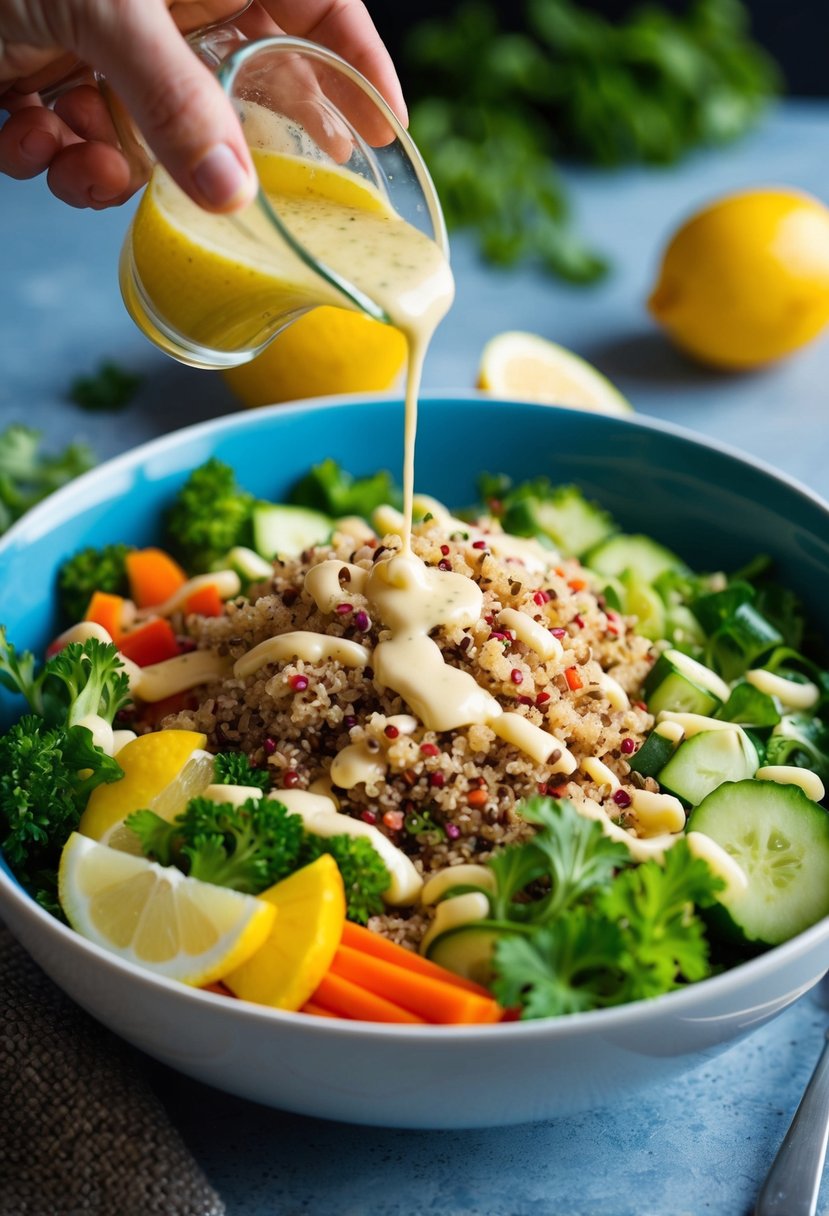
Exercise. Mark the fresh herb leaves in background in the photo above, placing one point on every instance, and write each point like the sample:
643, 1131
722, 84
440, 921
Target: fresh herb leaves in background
110, 388
493, 108
27, 474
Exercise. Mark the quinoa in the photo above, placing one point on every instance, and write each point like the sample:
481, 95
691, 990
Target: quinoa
447, 797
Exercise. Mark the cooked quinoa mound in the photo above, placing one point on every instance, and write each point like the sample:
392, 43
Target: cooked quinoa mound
446, 797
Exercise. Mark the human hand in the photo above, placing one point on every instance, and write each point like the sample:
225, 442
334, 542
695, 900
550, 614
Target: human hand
175, 102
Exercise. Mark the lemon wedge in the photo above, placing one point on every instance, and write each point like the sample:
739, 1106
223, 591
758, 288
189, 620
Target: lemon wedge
530, 368
194, 779
156, 917
310, 914
150, 763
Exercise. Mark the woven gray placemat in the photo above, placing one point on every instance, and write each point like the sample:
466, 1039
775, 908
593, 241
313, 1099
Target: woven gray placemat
81, 1132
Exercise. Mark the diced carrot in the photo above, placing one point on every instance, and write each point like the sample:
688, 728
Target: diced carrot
428, 998
150, 643
358, 938
107, 611
206, 601
576, 584
573, 679
153, 576
349, 1000
318, 1011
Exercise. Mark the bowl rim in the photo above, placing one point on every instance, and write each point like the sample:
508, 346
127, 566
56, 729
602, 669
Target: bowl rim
594, 1021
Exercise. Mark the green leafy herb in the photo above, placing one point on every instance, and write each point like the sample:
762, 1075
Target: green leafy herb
235, 768
650, 88
210, 515
88, 571
333, 491
27, 475
82, 680
253, 846
110, 388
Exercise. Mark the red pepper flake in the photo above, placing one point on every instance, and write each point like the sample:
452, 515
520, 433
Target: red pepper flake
524, 700
445, 550
479, 544
516, 676
614, 629
290, 778
542, 788
429, 749
437, 780
299, 683
477, 798
559, 633
452, 831
269, 746
573, 679
542, 698
640, 705
628, 746
576, 584
622, 798
393, 820
391, 731
368, 817
577, 620
541, 598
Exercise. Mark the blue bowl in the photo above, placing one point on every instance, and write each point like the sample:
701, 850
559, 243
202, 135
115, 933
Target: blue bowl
715, 507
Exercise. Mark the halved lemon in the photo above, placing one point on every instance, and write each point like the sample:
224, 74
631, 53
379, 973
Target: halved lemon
310, 907
150, 763
156, 917
531, 368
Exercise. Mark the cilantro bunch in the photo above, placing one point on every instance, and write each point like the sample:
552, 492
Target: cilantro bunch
28, 475
253, 846
579, 928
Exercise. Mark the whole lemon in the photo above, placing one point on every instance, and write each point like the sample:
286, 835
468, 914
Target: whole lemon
746, 280
325, 351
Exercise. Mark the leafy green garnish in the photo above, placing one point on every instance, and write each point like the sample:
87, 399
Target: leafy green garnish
88, 571
333, 491
27, 475
235, 768
565, 80
249, 848
210, 515
110, 388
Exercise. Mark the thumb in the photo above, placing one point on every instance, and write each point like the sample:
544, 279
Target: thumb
180, 109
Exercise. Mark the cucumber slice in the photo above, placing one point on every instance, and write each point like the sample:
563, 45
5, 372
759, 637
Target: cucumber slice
654, 754
640, 600
678, 682
572, 523
286, 531
647, 557
705, 761
780, 838
467, 951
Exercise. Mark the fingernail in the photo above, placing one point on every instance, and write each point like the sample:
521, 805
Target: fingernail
38, 146
103, 194
219, 177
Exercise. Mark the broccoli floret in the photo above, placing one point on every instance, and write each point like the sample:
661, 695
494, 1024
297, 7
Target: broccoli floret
88, 571
235, 768
255, 845
210, 515
84, 679
332, 490
46, 776
364, 874
247, 848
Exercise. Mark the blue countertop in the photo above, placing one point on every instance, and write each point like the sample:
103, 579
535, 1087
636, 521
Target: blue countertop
700, 1145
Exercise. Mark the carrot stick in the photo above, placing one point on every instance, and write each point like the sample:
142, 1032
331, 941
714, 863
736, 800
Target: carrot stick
433, 1000
153, 576
206, 601
349, 1000
150, 643
108, 611
358, 938
318, 1011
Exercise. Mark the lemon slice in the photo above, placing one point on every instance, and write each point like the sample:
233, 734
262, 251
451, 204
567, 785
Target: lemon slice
310, 907
530, 368
155, 917
150, 763
193, 780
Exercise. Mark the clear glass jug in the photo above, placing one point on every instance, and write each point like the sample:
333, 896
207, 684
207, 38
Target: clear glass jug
212, 291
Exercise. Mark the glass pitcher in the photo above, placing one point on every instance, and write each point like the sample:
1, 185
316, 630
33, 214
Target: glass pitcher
212, 291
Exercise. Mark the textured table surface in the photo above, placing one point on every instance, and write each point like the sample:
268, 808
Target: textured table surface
697, 1146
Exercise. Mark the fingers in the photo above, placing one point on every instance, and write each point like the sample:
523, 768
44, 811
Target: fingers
30, 140
344, 26
180, 109
92, 175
